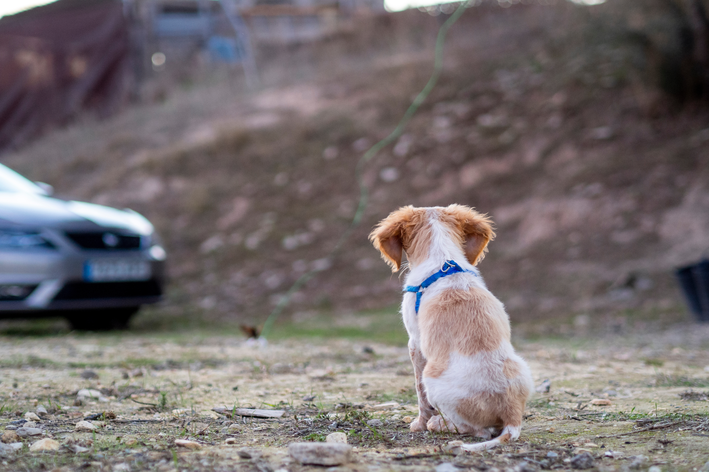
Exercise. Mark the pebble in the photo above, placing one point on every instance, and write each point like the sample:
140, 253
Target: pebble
654, 468
328, 454
446, 467
552, 455
29, 416
79, 449
89, 374
9, 437
41, 411
129, 441
601, 402
230, 440
86, 393
376, 423
11, 427
7, 449
85, 426
582, 461
336, 438
45, 444
29, 424
234, 427
188, 444
24, 432
408, 419
637, 462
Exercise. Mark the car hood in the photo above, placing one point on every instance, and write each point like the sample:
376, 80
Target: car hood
39, 211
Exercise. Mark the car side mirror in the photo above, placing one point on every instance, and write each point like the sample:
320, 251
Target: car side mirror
46, 188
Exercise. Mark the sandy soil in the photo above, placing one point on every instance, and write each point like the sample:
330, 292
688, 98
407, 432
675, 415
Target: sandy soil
156, 390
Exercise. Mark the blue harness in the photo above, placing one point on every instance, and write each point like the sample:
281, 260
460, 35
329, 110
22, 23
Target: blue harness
449, 268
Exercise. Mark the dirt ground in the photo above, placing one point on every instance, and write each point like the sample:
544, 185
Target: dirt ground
156, 389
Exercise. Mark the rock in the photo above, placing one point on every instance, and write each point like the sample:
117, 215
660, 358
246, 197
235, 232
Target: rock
29, 424
130, 441
7, 449
90, 394
188, 444
446, 467
375, 423
654, 468
544, 387
230, 441
10, 437
24, 432
79, 449
11, 427
551, 455
601, 402
453, 447
41, 411
85, 426
386, 406
705, 468
308, 398
582, 461
29, 416
329, 454
89, 375
44, 445
234, 427
336, 438
637, 462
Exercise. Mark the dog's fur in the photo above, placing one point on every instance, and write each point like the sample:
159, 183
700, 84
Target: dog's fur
468, 378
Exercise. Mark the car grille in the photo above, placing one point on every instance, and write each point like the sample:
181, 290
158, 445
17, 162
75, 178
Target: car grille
88, 291
105, 240
15, 292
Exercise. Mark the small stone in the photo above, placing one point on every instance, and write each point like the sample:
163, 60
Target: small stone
29, 416
408, 419
246, 454
375, 423
188, 444
89, 375
85, 426
230, 440
234, 427
90, 394
328, 454
29, 424
386, 406
9, 437
637, 462
544, 387
705, 467
446, 467
11, 427
24, 432
582, 461
654, 468
552, 455
41, 411
129, 441
7, 449
44, 445
601, 402
336, 438
79, 449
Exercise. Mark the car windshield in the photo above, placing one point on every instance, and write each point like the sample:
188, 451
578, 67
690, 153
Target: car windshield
11, 181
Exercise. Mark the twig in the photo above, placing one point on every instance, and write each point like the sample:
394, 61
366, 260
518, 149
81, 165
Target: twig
154, 405
642, 430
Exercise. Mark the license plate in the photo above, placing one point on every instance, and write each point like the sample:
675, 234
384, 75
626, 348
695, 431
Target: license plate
116, 270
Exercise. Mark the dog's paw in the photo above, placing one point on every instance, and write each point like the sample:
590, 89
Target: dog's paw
418, 425
438, 424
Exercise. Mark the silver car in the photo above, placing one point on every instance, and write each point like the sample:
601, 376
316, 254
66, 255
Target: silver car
91, 264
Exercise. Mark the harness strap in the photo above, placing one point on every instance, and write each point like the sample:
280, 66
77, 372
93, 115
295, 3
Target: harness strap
449, 268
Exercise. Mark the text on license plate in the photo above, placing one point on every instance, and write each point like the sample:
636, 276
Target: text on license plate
116, 270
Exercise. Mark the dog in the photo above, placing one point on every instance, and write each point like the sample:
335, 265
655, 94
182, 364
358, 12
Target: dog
468, 377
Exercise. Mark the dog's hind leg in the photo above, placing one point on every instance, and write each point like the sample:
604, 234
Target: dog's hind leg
439, 424
426, 411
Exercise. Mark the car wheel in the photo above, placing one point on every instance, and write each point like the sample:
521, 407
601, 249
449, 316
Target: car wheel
101, 320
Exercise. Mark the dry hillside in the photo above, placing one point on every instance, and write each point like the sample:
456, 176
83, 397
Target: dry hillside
599, 185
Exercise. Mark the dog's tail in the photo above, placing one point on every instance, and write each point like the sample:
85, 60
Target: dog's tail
509, 433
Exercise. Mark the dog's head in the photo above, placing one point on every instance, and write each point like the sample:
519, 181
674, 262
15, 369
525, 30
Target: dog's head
410, 230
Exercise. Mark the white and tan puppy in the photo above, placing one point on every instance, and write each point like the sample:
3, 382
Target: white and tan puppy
468, 378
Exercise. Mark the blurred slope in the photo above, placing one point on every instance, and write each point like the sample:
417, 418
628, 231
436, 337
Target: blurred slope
599, 187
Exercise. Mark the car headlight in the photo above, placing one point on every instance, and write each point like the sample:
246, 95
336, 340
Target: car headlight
15, 239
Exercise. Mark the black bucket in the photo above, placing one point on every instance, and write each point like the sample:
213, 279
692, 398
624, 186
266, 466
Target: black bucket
694, 281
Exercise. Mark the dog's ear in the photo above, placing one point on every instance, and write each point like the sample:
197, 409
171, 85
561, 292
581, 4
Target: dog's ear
388, 236
475, 229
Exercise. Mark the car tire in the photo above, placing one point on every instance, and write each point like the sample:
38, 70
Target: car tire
102, 320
